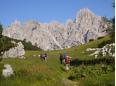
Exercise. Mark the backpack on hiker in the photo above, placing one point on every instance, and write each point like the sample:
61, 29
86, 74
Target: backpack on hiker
67, 60
61, 58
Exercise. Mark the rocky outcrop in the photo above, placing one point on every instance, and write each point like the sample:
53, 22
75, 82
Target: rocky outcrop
107, 50
55, 36
15, 52
91, 26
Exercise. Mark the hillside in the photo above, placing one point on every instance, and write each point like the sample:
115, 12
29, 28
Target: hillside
34, 72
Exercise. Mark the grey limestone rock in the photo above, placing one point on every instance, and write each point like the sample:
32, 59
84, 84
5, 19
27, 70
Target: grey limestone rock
54, 36
8, 71
15, 52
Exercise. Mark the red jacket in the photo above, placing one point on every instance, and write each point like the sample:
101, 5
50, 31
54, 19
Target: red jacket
67, 60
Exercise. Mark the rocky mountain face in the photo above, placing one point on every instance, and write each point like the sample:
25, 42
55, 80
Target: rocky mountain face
55, 36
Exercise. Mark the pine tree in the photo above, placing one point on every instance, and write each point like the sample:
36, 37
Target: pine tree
1, 29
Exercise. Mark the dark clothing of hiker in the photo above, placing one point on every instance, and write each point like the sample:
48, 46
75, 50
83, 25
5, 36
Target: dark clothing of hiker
64, 55
45, 56
41, 55
61, 58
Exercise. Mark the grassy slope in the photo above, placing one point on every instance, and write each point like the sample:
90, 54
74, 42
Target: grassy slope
34, 72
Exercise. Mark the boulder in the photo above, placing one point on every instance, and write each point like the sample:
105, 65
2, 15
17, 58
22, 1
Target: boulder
7, 72
108, 49
15, 52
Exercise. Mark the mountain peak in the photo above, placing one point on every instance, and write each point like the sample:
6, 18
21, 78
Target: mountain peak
54, 35
85, 10
15, 24
84, 14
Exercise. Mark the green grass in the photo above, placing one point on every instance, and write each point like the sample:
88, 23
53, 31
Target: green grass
103, 80
34, 72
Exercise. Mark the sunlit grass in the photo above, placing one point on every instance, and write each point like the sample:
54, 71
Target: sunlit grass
32, 71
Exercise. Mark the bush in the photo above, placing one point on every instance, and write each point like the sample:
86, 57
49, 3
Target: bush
1, 29
103, 80
104, 43
5, 44
29, 46
104, 66
100, 37
91, 40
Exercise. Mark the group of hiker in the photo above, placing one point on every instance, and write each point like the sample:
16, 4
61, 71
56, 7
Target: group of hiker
64, 59
43, 56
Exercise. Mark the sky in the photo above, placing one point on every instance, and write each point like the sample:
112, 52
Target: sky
46, 11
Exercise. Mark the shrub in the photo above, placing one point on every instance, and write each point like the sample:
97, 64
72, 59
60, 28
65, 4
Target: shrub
100, 37
104, 66
104, 80
29, 46
1, 29
104, 43
5, 44
91, 40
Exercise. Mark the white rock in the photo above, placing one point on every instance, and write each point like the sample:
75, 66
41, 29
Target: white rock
15, 52
113, 54
96, 56
90, 49
95, 53
34, 55
7, 72
38, 55
105, 50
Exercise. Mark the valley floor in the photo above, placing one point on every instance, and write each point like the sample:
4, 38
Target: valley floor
32, 71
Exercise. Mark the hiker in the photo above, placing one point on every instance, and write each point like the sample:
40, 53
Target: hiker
61, 58
64, 56
42, 56
45, 56
67, 62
